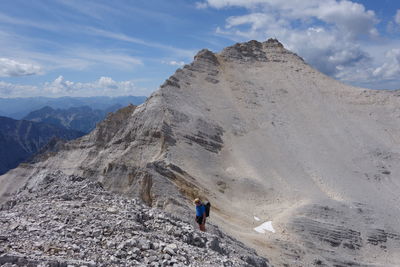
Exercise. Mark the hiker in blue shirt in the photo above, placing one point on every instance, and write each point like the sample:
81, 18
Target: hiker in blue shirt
200, 214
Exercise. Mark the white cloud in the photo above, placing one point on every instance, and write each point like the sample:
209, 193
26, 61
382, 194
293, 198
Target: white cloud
391, 68
381, 76
104, 86
352, 18
17, 90
349, 16
256, 20
5, 19
327, 50
107, 82
174, 63
123, 37
397, 17
12, 68
103, 57
242, 3
200, 5
58, 86
65, 56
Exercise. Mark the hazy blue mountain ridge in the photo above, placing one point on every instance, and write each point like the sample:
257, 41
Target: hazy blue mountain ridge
82, 119
20, 139
18, 108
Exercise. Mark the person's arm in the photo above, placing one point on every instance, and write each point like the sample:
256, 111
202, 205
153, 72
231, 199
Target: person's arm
204, 215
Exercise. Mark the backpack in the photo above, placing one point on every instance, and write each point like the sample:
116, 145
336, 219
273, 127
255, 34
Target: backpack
208, 207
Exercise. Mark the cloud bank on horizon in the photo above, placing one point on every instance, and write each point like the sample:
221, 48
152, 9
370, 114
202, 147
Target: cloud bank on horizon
129, 48
104, 86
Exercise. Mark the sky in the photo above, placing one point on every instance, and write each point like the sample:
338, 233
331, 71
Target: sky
129, 47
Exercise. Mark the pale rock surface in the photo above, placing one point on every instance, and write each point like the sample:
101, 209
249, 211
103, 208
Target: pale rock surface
255, 130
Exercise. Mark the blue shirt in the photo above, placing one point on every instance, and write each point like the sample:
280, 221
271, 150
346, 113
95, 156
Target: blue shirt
200, 210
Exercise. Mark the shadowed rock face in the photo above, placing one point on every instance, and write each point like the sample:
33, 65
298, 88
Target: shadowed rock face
259, 133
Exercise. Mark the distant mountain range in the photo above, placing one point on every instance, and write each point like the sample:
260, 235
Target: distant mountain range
18, 108
20, 139
46, 120
82, 119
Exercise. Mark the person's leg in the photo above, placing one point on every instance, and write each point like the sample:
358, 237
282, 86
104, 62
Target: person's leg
203, 227
199, 221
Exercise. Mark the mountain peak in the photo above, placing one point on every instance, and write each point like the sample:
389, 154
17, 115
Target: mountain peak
210, 63
270, 50
272, 42
247, 51
206, 55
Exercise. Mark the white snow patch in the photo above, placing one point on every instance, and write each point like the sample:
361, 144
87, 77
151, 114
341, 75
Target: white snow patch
265, 226
256, 218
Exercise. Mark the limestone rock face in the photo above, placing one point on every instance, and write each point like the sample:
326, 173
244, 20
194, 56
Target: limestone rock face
260, 134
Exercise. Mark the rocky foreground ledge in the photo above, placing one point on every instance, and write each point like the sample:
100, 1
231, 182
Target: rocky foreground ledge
71, 221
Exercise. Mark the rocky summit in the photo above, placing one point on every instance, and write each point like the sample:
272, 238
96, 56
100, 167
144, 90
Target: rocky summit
297, 165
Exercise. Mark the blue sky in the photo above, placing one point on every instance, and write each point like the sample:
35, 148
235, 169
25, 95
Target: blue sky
122, 47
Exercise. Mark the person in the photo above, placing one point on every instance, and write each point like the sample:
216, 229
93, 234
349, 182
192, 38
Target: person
200, 214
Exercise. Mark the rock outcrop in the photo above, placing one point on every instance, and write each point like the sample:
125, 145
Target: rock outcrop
260, 134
